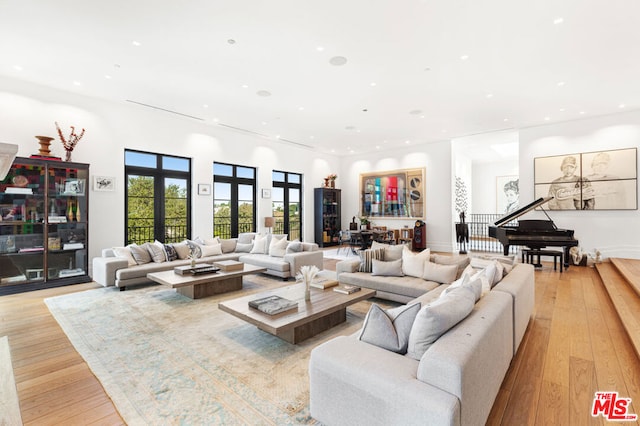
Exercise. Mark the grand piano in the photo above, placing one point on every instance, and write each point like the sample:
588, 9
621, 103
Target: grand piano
535, 234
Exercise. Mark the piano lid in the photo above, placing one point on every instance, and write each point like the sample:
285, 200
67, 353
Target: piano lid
537, 203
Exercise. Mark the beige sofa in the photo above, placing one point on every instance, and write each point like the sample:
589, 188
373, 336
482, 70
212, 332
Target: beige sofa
110, 270
455, 382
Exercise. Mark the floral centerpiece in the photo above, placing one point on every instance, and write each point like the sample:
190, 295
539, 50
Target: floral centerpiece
306, 275
70, 142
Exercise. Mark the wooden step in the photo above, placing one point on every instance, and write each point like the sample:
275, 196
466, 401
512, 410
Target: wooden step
630, 270
624, 298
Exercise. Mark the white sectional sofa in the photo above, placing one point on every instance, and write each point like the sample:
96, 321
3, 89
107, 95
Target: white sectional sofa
455, 382
111, 270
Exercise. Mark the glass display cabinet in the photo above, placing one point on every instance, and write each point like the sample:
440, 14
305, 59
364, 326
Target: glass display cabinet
327, 216
43, 225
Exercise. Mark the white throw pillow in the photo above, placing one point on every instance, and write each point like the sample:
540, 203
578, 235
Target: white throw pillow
413, 263
211, 250
443, 274
278, 248
389, 329
141, 253
211, 241
485, 276
156, 251
260, 244
465, 281
243, 248
125, 253
391, 252
437, 317
392, 268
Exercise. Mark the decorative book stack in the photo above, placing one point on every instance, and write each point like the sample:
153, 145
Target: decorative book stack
229, 265
273, 304
346, 289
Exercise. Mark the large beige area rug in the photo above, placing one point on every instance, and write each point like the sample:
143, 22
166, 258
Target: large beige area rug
167, 359
9, 403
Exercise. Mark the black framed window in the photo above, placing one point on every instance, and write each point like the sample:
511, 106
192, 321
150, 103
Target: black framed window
286, 203
157, 197
234, 199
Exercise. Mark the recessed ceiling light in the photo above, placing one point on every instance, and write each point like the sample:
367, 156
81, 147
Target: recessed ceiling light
338, 60
351, 151
333, 150
582, 112
216, 119
377, 146
489, 95
547, 118
136, 43
312, 137
77, 83
422, 116
444, 130
264, 123
621, 106
301, 108
407, 142
245, 86
372, 84
263, 93
505, 119
17, 67
319, 48
107, 76
558, 20
464, 57
205, 106
561, 83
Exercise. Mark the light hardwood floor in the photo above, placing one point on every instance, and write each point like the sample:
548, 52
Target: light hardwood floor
575, 345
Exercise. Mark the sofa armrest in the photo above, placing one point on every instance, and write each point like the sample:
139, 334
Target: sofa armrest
349, 265
352, 382
104, 269
300, 259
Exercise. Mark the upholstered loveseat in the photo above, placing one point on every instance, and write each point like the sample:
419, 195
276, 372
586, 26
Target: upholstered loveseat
453, 382
127, 266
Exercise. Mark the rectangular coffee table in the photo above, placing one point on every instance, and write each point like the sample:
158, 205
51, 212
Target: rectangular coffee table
199, 286
326, 309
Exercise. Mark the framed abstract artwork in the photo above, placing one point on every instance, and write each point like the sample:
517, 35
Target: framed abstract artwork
393, 194
601, 180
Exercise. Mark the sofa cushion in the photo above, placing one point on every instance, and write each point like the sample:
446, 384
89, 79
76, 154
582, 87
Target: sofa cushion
228, 245
156, 251
406, 286
461, 261
125, 253
392, 268
194, 249
437, 317
141, 253
294, 246
389, 329
210, 250
391, 252
465, 280
260, 245
445, 274
246, 237
266, 261
243, 247
278, 248
413, 263
366, 258
182, 249
170, 252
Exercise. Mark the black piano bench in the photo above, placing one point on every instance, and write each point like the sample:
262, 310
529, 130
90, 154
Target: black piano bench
530, 254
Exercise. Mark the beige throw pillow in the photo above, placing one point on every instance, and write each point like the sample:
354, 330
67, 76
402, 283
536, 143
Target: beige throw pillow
413, 263
443, 274
125, 253
260, 244
278, 248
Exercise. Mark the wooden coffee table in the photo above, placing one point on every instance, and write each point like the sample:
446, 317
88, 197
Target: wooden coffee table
199, 286
326, 309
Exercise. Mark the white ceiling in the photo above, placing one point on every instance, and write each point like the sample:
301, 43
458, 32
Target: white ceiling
417, 71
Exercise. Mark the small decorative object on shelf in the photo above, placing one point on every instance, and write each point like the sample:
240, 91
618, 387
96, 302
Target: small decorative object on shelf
44, 142
306, 275
70, 142
330, 181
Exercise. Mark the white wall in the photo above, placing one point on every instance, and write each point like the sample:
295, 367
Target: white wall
615, 233
484, 185
27, 110
436, 159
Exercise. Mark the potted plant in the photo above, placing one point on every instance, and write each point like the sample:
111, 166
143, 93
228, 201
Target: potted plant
365, 223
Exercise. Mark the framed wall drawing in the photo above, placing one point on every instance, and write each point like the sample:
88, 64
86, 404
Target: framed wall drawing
507, 194
104, 183
204, 189
393, 194
602, 180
